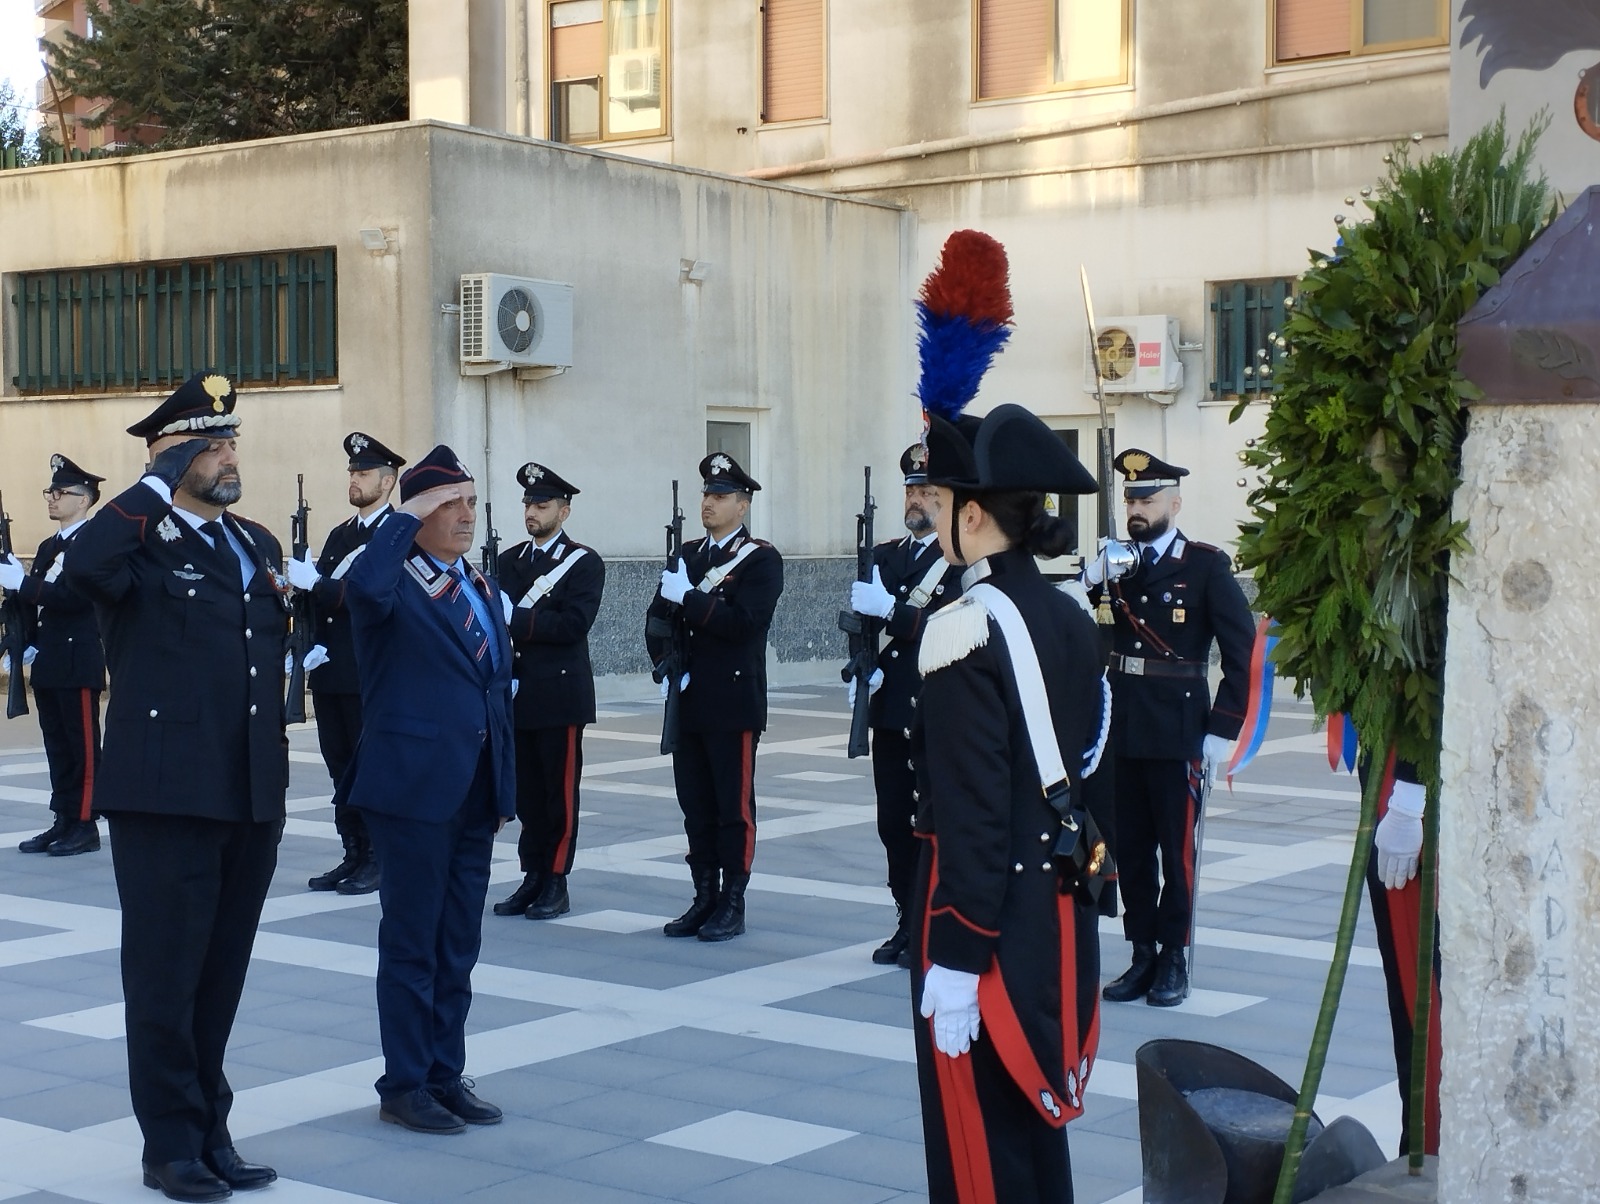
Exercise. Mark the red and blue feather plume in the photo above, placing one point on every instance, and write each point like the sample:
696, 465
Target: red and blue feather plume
964, 313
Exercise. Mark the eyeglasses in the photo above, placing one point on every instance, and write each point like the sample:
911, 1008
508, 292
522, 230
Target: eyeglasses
55, 495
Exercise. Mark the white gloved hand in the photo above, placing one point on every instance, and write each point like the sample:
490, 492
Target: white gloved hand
506, 607
514, 684
675, 583
1399, 835
288, 662
873, 683
683, 684
11, 572
871, 597
1215, 751
28, 654
1094, 569
5, 662
950, 1000
316, 658
302, 573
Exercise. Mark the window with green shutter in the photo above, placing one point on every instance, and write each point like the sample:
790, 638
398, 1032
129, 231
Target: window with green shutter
1247, 318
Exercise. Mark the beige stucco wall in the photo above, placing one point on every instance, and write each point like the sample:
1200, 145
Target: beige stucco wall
801, 319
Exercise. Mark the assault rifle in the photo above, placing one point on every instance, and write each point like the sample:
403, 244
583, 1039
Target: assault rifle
303, 630
862, 630
673, 663
490, 553
14, 641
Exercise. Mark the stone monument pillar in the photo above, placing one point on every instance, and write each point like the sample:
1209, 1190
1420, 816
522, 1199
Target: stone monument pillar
1520, 826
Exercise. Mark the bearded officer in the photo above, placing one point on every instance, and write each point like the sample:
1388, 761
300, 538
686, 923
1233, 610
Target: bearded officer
910, 581
69, 668
1167, 612
333, 674
724, 591
194, 770
555, 584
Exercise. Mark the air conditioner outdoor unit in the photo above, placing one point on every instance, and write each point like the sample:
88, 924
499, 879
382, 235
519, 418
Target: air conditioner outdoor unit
1136, 355
634, 75
513, 322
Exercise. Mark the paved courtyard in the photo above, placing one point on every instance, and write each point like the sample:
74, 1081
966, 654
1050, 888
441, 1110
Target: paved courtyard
632, 1068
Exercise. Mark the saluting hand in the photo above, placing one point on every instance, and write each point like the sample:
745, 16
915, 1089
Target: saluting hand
429, 500
172, 465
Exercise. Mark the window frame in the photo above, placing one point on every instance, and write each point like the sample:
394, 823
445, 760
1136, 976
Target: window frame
1227, 375
1359, 48
761, 73
1121, 80
664, 130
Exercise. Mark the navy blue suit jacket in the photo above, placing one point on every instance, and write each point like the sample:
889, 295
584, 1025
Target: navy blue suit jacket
428, 706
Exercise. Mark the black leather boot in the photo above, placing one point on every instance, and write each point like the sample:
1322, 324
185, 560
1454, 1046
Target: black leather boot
81, 836
727, 921
331, 880
362, 880
42, 842
705, 902
1136, 979
888, 953
552, 900
1171, 986
517, 901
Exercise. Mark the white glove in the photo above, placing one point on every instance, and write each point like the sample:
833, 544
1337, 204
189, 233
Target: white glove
1399, 835
28, 654
1215, 751
316, 658
675, 583
1094, 569
11, 572
871, 597
950, 1000
5, 662
873, 683
514, 684
288, 662
683, 684
506, 606
302, 574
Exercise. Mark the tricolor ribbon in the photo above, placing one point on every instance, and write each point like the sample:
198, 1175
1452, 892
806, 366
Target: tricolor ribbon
1259, 706
1341, 742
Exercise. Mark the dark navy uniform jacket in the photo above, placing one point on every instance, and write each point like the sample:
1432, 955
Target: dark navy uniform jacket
194, 722
993, 905
902, 565
1168, 613
727, 640
338, 675
61, 623
550, 639
430, 708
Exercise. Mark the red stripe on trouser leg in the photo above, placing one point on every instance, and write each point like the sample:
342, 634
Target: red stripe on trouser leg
747, 786
569, 801
86, 804
1405, 927
1190, 816
963, 1127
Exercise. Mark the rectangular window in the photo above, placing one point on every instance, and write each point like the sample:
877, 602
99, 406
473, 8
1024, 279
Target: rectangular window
731, 439
263, 319
1316, 29
1248, 315
792, 57
607, 69
1026, 47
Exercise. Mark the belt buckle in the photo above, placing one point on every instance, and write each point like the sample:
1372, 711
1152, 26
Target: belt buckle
1133, 665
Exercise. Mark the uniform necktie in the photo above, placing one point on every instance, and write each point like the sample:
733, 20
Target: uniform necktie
475, 614
224, 549
1148, 555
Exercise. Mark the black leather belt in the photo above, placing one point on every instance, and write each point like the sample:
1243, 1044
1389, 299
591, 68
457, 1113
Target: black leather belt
1142, 666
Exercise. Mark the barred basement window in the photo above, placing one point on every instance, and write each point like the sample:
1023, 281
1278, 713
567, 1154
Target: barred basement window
1249, 316
265, 320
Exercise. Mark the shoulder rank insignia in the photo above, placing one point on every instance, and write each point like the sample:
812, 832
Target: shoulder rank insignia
952, 632
168, 530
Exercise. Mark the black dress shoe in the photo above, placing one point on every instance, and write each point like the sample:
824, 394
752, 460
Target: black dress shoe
552, 900
337, 874
457, 1097
80, 837
517, 901
362, 880
42, 842
421, 1113
190, 1179
1171, 985
1136, 979
236, 1172
888, 953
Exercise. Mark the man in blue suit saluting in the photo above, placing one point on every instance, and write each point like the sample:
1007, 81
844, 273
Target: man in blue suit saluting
434, 779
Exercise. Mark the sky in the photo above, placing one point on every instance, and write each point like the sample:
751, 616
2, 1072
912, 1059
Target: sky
19, 47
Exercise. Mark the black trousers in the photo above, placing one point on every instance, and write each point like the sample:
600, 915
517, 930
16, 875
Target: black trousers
69, 721
895, 782
549, 767
435, 879
715, 774
191, 892
1156, 812
338, 733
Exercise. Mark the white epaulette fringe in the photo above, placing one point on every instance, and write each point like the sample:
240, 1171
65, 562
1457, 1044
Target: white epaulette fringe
952, 632
1074, 590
